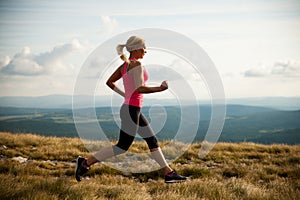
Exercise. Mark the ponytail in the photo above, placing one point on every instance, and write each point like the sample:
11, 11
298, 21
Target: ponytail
120, 48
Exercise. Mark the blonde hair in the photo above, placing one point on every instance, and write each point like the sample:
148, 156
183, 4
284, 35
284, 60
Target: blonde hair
133, 43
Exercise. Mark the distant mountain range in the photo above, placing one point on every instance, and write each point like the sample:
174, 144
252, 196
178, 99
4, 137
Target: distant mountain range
65, 101
242, 123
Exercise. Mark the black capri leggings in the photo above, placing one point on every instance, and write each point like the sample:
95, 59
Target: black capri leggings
132, 122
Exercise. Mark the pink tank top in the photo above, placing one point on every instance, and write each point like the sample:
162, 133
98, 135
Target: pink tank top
132, 97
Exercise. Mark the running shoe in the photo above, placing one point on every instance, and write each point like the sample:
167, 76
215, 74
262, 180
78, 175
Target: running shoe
81, 168
173, 177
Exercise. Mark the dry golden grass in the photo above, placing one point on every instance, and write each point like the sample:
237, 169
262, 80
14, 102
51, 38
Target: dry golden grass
229, 171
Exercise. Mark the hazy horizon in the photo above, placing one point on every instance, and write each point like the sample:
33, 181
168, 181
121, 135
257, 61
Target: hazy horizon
65, 101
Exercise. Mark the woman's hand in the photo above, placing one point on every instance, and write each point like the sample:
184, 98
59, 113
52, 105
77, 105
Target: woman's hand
164, 85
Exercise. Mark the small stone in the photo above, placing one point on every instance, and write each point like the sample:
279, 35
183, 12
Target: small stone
20, 159
126, 173
33, 149
150, 180
51, 162
2, 157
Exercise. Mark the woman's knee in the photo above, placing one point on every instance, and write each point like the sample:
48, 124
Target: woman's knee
120, 148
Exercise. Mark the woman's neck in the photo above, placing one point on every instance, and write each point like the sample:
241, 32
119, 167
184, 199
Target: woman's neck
132, 58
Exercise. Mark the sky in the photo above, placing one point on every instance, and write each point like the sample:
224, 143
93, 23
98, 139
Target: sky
255, 45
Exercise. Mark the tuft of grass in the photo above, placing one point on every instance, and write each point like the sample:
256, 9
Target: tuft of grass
195, 172
37, 187
230, 172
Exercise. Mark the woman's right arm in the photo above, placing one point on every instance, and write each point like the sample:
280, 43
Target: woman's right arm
152, 89
111, 82
138, 76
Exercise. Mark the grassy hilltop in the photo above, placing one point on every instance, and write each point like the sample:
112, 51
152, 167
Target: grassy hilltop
229, 171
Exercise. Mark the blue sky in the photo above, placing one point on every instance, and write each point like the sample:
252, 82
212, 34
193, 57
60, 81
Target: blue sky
255, 45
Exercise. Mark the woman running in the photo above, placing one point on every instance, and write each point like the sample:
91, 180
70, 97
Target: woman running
133, 121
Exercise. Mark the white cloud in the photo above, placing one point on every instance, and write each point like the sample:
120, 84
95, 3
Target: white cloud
28, 64
257, 72
109, 24
280, 68
23, 63
4, 61
289, 69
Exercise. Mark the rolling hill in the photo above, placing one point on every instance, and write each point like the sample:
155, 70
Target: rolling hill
243, 123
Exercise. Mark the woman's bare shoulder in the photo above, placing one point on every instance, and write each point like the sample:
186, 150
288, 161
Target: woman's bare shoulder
135, 64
